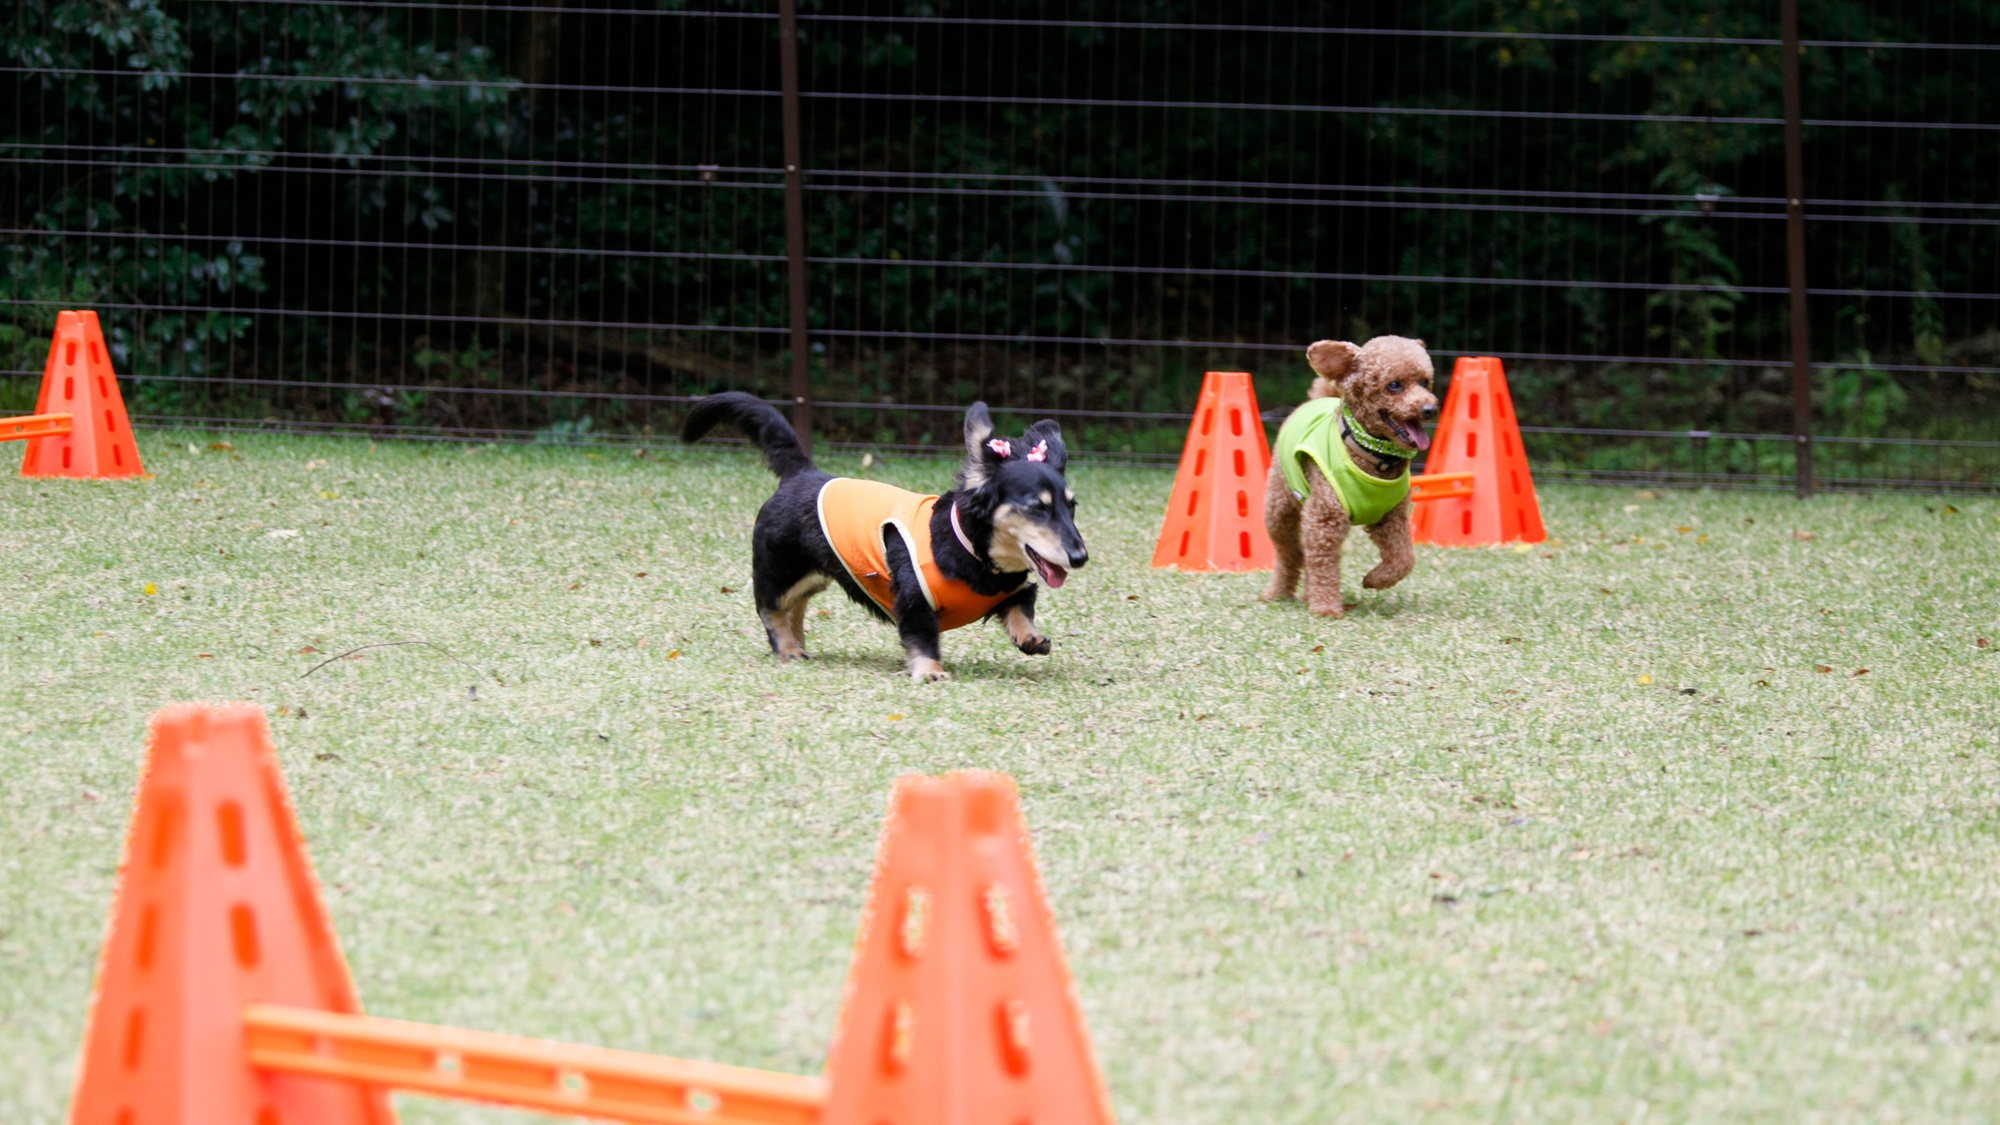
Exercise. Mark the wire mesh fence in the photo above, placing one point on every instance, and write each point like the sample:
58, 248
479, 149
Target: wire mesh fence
561, 222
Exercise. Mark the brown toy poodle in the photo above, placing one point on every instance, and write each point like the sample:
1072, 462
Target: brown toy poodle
1343, 459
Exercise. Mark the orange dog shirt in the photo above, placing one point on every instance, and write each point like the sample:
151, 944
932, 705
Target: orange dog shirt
852, 514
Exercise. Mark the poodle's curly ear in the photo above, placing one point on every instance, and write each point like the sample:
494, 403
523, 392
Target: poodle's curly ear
1046, 430
979, 456
1331, 360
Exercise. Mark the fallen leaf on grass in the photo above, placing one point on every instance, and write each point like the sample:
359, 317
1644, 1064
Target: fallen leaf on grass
674, 655
1979, 641
822, 613
1322, 648
328, 756
204, 656
1645, 679
595, 643
1131, 597
1683, 529
1763, 683
307, 650
576, 585
1690, 691
1604, 589
1861, 671
1802, 536
727, 589
1701, 538
221, 447
895, 718
150, 590
641, 574
1822, 668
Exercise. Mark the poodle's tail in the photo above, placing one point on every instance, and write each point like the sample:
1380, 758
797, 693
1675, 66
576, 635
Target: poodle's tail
759, 421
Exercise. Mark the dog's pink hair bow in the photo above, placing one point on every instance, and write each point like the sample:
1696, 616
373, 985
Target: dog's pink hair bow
1040, 452
1001, 448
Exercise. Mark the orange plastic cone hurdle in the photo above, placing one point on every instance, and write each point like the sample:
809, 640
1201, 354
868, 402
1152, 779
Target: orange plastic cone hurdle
1215, 518
959, 1009
1478, 434
78, 381
216, 908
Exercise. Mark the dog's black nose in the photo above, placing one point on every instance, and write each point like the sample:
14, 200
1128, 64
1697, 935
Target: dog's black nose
1077, 558
1430, 412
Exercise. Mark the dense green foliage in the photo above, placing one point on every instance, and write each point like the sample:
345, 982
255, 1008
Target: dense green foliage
374, 198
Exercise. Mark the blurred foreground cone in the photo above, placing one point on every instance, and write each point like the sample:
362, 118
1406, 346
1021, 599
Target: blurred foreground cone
1215, 518
216, 907
1477, 433
78, 381
959, 1009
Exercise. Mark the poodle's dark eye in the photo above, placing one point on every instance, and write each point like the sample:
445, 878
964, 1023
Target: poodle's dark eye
1395, 386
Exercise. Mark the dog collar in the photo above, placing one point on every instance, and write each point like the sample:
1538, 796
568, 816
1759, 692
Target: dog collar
964, 540
1351, 427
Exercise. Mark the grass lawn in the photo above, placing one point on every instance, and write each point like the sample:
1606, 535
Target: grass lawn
1609, 829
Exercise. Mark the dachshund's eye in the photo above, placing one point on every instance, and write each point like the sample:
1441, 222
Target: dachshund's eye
1395, 386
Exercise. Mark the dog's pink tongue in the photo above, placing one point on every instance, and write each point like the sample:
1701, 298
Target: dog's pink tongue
1052, 574
1418, 435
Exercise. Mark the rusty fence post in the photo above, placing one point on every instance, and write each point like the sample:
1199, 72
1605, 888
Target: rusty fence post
1795, 254
795, 220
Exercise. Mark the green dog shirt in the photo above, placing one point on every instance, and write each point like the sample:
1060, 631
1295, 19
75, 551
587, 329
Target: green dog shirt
1313, 431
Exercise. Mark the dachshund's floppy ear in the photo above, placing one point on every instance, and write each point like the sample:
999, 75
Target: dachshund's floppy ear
1331, 360
980, 456
1044, 442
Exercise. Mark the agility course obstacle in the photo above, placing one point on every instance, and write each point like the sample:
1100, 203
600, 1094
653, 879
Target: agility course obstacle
79, 428
222, 997
1215, 517
1478, 443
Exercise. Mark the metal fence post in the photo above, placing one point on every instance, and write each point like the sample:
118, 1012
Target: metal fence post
795, 218
1795, 253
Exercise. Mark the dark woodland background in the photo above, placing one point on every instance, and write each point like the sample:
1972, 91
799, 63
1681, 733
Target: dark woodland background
561, 219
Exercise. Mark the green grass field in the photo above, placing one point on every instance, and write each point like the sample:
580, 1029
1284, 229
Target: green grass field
1610, 829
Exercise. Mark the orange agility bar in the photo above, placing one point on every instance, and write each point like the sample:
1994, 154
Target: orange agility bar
531, 1073
1440, 486
33, 426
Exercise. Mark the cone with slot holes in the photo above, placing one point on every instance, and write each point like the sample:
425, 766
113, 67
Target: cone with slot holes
959, 1007
78, 381
1477, 433
216, 908
1215, 518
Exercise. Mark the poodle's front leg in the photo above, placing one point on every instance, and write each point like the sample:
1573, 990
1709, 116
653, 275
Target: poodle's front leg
1399, 555
1323, 526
